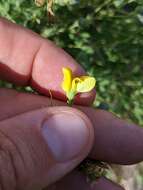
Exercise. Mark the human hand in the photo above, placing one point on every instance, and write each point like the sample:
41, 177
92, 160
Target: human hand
40, 144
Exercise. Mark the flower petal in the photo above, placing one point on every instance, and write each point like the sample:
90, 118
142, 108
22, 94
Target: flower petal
87, 84
67, 81
75, 83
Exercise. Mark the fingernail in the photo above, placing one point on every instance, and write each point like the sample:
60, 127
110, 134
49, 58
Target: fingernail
66, 135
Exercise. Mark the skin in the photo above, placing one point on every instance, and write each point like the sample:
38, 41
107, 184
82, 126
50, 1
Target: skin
23, 57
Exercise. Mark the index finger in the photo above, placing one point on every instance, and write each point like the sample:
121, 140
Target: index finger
28, 59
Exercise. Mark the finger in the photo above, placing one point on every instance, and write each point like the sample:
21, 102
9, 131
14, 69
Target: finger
76, 181
26, 58
116, 141
40, 147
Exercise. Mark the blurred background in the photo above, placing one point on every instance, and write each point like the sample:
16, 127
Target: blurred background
106, 38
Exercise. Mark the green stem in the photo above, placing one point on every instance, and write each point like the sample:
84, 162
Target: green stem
70, 102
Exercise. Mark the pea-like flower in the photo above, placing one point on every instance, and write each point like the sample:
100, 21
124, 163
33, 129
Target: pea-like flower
73, 86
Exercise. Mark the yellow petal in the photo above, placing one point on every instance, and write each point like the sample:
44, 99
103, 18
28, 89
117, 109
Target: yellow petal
87, 84
75, 83
67, 81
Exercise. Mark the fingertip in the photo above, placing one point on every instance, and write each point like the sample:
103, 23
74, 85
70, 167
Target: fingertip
51, 141
47, 72
86, 99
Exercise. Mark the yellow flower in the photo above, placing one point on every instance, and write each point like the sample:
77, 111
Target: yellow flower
73, 86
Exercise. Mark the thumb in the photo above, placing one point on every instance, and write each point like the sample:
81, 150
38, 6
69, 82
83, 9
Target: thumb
39, 147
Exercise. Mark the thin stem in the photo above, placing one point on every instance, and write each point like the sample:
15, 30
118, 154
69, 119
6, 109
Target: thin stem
70, 102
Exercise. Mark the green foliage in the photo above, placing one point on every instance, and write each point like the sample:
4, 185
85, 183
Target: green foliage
104, 36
